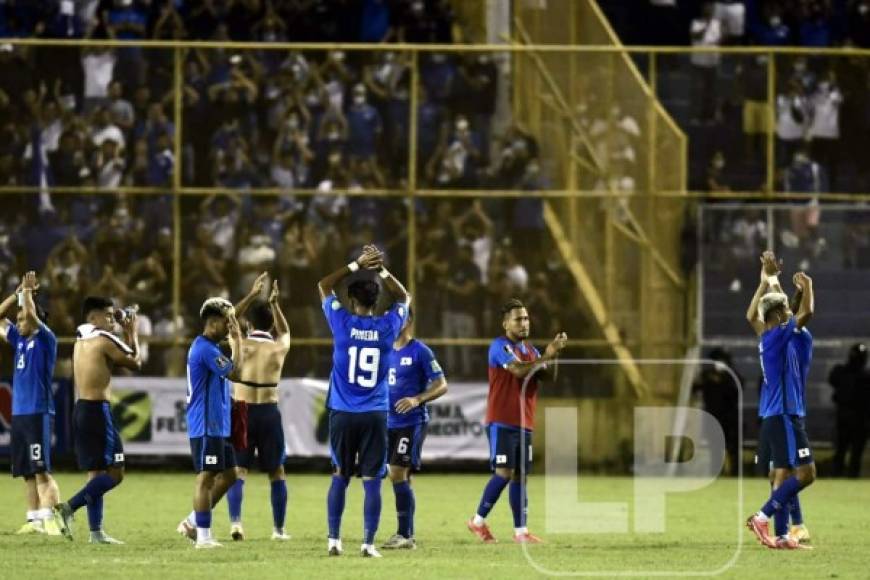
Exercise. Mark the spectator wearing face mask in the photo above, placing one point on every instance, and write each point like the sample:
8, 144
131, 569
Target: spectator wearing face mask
793, 117
364, 126
772, 30
825, 128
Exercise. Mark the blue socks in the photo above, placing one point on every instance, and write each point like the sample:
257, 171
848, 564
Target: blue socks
279, 503
782, 496
91, 495
371, 509
491, 493
794, 508
519, 500
335, 505
405, 508
235, 494
203, 519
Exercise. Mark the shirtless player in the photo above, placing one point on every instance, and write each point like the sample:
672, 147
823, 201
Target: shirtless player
265, 349
98, 445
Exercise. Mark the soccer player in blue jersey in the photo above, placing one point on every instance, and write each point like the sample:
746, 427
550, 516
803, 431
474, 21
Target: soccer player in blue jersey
208, 412
785, 348
32, 405
98, 445
414, 378
358, 398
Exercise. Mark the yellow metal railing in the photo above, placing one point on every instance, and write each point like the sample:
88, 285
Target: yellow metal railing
550, 81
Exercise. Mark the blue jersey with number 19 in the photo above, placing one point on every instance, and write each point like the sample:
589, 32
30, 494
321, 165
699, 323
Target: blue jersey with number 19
358, 383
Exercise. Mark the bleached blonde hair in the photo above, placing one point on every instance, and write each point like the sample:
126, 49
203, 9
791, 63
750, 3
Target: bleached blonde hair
770, 301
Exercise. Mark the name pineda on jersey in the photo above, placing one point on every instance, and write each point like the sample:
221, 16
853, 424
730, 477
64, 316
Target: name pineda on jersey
367, 335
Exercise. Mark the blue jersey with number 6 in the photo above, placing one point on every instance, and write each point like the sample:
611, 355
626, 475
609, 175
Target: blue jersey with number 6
358, 382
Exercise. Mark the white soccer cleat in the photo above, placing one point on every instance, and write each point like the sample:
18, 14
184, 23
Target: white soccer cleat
398, 542
334, 547
280, 536
369, 551
237, 532
101, 538
185, 528
207, 544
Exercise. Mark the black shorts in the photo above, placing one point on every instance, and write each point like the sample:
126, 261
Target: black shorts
97, 442
212, 454
358, 443
509, 447
406, 445
265, 438
783, 442
31, 444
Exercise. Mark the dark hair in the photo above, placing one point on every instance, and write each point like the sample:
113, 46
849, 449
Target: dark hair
510, 305
260, 316
92, 303
365, 292
210, 311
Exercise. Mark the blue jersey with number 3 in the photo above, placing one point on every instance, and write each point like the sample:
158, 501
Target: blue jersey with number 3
412, 368
358, 382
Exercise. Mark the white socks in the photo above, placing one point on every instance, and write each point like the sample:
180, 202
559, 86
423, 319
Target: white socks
518, 531
33, 515
191, 519
44, 514
762, 516
477, 520
203, 534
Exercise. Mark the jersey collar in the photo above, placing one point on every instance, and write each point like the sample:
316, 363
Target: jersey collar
260, 336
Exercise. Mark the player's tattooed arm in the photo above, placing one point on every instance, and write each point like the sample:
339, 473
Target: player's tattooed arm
236, 350
437, 388
752, 312
522, 369
807, 304
255, 292
5, 306
123, 359
282, 329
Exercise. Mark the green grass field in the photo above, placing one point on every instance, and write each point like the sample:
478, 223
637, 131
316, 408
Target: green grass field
702, 534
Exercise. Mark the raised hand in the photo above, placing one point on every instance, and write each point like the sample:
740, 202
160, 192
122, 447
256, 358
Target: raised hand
769, 264
801, 280
30, 281
556, 345
371, 258
259, 284
273, 296
233, 326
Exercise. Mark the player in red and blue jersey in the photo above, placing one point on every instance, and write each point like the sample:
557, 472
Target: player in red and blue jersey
358, 399
32, 405
208, 413
785, 349
414, 378
515, 371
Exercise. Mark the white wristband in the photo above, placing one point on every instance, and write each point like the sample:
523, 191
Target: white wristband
353, 266
772, 281
384, 273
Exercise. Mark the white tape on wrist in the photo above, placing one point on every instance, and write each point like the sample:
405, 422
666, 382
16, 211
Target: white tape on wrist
384, 273
772, 281
353, 266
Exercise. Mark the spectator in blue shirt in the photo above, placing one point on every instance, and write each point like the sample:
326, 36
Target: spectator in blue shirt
364, 124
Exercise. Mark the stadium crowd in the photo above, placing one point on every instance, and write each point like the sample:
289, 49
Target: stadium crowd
319, 120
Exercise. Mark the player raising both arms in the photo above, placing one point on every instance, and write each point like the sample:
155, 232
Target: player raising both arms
32, 405
265, 349
358, 399
98, 445
785, 349
208, 414
414, 378
510, 417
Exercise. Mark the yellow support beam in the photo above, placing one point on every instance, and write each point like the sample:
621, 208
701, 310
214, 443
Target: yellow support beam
596, 304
